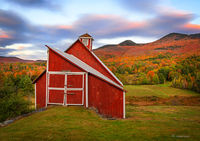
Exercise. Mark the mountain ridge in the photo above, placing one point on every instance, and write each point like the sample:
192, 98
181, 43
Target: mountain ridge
11, 59
176, 43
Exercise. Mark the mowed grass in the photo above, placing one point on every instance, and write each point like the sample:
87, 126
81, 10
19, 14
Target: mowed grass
162, 91
77, 123
143, 123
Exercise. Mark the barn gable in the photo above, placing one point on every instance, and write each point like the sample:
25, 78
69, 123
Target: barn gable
84, 66
59, 63
79, 50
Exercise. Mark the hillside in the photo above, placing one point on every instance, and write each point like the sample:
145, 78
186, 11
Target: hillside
4, 59
174, 43
174, 58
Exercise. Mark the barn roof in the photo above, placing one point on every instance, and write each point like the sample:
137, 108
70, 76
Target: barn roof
34, 81
84, 66
86, 35
97, 60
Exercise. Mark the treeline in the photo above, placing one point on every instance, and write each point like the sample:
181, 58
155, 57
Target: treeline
184, 73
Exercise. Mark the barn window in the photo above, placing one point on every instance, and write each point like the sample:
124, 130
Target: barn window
85, 41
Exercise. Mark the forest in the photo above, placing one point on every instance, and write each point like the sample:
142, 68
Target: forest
182, 72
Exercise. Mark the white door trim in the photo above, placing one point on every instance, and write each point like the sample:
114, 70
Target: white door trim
84, 88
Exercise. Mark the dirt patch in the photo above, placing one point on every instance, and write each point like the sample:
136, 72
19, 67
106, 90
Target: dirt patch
174, 101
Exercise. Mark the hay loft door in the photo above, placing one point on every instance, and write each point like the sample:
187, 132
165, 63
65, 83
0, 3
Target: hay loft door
75, 89
66, 88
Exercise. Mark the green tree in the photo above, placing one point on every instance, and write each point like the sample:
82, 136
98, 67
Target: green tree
156, 79
26, 86
161, 78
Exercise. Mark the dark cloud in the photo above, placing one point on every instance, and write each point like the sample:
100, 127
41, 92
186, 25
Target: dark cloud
19, 30
4, 52
144, 6
13, 25
108, 26
47, 4
165, 23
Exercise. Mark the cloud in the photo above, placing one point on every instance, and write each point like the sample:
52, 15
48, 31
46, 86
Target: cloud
18, 46
29, 54
167, 22
111, 26
104, 25
24, 51
4, 52
15, 29
47, 4
12, 28
144, 6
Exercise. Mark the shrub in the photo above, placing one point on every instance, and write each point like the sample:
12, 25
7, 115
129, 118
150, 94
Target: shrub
161, 78
155, 79
164, 71
12, 106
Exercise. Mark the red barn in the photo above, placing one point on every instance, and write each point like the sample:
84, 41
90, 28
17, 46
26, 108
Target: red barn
78, 77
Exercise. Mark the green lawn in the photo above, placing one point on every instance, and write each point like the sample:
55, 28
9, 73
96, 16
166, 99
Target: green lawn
161, 90
144, 123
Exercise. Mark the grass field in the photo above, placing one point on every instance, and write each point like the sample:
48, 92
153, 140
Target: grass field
142, 123
162, 91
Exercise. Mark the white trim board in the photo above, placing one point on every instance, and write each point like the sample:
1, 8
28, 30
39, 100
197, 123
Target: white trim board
124, 104
63, 73
47, 80
86, 90
35, 97
107, 68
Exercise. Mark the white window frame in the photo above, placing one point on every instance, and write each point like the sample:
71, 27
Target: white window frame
85, 40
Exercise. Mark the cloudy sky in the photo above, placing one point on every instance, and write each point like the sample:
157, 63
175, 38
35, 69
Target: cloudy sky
27, 25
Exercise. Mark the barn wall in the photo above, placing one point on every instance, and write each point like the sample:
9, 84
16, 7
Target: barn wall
58, 63
105, 97
41, 91
83, 54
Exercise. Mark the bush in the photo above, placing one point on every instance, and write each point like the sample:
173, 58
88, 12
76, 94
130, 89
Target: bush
161, 78
164, 71
12, 106
156, 79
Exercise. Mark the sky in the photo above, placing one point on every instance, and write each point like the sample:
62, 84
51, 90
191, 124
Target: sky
26, 26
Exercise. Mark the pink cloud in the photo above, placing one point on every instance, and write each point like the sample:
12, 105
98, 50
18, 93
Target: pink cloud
192, 26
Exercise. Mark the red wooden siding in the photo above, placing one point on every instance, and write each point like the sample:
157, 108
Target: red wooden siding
74, 81
58, 63
56, 96
74, 97
84, 55
56, 80
41, 91
106, 98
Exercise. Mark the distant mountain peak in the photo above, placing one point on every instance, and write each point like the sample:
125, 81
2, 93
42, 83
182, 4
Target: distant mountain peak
174, 36
179, 36
127, 43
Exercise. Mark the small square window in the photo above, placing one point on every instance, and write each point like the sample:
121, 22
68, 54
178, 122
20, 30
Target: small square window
85, 41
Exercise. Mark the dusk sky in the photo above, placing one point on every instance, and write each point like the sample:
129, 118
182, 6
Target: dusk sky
27, 25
